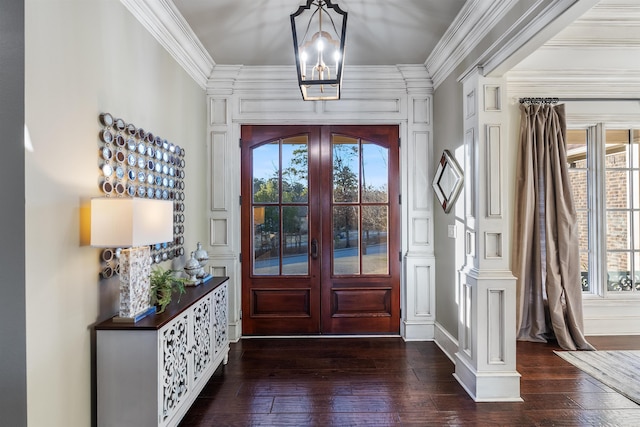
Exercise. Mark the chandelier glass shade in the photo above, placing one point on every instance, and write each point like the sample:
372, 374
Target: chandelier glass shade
319, 30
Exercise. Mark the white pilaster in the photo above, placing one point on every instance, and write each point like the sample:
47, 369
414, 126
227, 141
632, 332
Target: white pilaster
223, 189
418, 301
486, 357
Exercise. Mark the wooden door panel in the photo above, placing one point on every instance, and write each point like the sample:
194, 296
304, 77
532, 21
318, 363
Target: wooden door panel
360, 289
360, 302
280, 302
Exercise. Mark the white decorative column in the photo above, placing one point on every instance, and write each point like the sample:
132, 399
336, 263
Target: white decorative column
418, 298
223, 188
486, 356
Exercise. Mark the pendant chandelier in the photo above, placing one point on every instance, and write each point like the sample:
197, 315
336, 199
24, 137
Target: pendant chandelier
319, 30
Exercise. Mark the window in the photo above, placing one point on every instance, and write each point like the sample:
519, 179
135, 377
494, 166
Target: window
604, 169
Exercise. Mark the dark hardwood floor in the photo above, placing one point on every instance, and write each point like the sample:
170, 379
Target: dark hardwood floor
389, 382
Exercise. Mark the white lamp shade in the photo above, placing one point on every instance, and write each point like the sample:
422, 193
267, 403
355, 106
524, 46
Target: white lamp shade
122, 222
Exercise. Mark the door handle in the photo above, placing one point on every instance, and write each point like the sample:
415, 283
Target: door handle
314, 249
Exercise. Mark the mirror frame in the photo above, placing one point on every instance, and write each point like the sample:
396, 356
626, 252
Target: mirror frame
447, 165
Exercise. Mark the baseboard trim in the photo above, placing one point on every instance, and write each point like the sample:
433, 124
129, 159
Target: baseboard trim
447, 343
251, 337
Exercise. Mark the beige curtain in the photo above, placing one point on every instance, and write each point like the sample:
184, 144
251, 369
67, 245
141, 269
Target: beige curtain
546, 257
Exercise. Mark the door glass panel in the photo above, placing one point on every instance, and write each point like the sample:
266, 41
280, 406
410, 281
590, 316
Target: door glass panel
280, 207
266, 163
346, 248
266, 240
375, 249
295, 233
375, 173
346, 171
295, 158
360, 206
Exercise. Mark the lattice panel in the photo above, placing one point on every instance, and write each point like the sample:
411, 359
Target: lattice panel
221, 316
174, 350
202, 355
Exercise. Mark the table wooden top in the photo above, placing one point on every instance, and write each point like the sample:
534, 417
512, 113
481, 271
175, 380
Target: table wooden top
175, 307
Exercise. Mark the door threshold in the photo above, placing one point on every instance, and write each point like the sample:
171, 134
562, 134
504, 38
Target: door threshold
317, 336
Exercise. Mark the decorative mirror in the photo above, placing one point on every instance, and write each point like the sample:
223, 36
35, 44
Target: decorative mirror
448, 181
135, 163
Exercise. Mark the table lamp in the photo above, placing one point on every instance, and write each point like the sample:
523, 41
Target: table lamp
132, 224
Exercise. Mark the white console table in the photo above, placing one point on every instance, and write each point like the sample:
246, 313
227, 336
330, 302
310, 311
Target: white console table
150, 372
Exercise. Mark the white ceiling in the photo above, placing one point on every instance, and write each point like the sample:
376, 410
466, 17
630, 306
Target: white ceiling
379, 32
602, 45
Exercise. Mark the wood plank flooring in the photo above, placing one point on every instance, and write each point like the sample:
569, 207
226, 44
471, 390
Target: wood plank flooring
389, 382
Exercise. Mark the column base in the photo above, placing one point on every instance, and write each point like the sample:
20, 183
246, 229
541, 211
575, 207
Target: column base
501, 386
417, 331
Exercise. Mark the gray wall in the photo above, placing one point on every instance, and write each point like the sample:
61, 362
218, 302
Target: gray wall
13, 371
448, 134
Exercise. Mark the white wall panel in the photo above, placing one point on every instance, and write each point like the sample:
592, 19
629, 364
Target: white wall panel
421, 232
218, 171
295, 106
422, 111
217, 111
494, 172
219, 232
495, 325
492, 98
420, 179
423, 306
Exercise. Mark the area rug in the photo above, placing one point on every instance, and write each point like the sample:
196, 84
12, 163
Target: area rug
619, 370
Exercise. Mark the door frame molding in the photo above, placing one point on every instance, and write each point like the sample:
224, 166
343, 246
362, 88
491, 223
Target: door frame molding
395, 95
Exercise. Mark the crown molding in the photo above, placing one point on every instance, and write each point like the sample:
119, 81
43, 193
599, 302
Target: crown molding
612, 13
417, 78
471, 25
588, 43
165, 23
228, 79
583, 83
605, 25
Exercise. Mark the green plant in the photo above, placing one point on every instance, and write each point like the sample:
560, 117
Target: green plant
163, 284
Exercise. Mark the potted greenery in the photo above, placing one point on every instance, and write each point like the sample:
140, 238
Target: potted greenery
163, 284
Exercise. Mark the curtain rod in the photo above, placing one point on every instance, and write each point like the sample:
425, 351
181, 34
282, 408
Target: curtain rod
539, 100
556, 100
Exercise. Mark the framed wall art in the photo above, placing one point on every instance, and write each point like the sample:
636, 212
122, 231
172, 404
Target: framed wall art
448, 181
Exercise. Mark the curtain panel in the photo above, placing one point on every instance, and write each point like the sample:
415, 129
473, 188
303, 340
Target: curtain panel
546, 247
